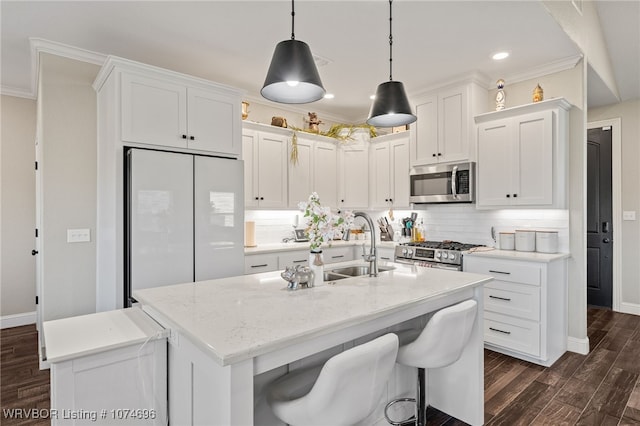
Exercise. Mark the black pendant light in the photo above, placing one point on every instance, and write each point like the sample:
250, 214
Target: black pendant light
292, 77
390, 107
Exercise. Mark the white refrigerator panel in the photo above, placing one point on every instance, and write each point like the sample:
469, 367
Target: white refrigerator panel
161, 218
219, 218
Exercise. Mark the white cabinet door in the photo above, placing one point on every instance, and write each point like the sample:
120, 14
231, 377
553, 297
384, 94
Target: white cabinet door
453, 122
353, 163
271, 178
219, 218
325, 173
212, 120
380, 174
424, 146
301, 173
494, 164
153, 111
534, 157
399, 173
249, 145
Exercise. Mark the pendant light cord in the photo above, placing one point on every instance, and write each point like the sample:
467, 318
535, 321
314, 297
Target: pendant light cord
293, 15
390, 43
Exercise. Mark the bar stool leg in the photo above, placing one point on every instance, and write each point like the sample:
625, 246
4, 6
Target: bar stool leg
421, 408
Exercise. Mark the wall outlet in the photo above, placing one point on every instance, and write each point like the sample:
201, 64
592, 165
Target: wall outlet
629, 215
78, 235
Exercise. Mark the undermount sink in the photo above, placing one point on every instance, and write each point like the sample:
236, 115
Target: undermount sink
351, 271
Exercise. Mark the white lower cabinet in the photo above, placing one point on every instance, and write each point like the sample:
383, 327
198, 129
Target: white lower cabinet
266, 262
525, 307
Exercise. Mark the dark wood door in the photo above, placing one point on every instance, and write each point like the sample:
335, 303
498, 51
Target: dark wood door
599, 217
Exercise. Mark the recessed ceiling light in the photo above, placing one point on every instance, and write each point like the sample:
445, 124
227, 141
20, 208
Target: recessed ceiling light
329, 96
500, 55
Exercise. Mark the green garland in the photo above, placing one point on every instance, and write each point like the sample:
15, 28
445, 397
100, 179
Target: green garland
334, 132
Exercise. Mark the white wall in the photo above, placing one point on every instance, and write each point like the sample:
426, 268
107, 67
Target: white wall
17, 265
68, 139
629, 235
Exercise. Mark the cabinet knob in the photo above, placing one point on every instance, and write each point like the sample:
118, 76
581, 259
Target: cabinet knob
34, 252
439, 154
261, 198
433, 155
257, 198
193, 138
342, 201
386, 200
508, 195
391, 200
515, 195
184, 136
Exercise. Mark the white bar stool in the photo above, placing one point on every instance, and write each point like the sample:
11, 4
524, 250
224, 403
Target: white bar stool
343, 391
438, 345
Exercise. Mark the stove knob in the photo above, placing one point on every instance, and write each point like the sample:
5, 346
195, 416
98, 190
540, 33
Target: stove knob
438, 254
404, 251
410, 252
452, 256
445, 255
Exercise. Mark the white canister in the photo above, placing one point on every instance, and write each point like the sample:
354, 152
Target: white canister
525, 240
507, 240
547, 241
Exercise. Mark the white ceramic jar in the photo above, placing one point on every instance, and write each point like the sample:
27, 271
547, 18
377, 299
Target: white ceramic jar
547, 241
507, 240
525, 240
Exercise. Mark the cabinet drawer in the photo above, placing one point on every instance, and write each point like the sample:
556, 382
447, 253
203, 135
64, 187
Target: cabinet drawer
338, 254
300, 257
260, 263
512, 333
504, 270
522, 301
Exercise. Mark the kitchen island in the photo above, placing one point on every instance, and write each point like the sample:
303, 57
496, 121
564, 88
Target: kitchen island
229, 336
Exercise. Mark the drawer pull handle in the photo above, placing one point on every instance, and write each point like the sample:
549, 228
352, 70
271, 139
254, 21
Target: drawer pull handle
385, 258
337, 257
259, 266
500, 298
499, 331
499, 272
300, 261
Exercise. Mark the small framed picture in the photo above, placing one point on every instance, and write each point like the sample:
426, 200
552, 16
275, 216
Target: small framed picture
301, 236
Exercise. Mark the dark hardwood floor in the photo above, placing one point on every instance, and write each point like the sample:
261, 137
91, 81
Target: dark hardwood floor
602, 388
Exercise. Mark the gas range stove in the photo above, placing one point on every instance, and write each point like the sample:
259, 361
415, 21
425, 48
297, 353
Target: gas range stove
434, 254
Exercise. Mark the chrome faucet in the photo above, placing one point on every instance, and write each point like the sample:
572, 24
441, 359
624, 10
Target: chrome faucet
372, 257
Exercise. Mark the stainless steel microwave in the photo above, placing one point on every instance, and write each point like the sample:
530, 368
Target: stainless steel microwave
443, 183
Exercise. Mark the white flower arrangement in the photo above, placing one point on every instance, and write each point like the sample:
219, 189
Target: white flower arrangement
323, 225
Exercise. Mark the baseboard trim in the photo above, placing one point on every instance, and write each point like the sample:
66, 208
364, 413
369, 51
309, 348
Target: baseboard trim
580, 346
630, 308
17, 320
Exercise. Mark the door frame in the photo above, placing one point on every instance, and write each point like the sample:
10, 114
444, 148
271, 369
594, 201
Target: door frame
616, 201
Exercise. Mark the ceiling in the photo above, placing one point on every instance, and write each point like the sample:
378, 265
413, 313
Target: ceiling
231, 42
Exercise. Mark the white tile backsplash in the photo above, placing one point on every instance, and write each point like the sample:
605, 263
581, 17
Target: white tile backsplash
458, 222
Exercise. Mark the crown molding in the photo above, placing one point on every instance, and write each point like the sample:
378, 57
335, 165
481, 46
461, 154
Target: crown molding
40, 45
542, 70
18, 93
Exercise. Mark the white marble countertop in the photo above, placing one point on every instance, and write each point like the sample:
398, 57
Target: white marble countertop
294, 246
530, 256
238, 318
83, 335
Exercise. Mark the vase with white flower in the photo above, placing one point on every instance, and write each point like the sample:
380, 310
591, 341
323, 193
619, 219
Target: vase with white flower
323, 226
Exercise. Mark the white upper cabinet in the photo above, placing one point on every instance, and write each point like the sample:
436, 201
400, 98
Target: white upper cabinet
522, 159
444, 130
325, 173
161, 108
300, 171
353, 176
389, 162
265, 162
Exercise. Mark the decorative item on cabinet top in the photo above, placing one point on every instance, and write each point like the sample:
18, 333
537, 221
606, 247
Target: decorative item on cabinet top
245, 110
538, 94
